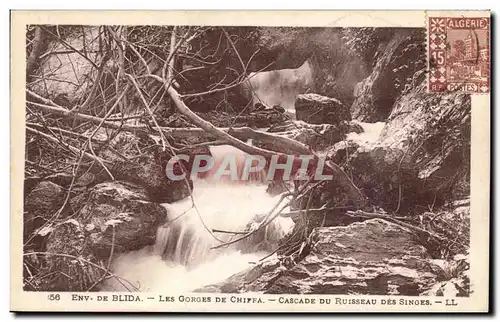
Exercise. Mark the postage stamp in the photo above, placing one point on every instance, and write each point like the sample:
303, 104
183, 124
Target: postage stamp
260, 161
459, 54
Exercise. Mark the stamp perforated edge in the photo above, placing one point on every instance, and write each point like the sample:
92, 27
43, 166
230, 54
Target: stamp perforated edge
427, 17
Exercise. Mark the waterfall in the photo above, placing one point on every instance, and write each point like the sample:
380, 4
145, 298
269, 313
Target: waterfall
182, 258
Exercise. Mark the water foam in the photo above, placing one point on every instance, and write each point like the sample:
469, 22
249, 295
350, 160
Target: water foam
182, 258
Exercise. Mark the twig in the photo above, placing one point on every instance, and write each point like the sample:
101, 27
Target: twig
263, 224
36, 50
236, 52
169, 63
229, 232
43, 99
95, 86
217, 89
71, 47
360, 213
70, 133
148, 70
162, 136
72, 148
112, 249
83, 260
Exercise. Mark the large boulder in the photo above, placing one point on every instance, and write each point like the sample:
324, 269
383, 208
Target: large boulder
123, 206
111, 218
317, 109
371, 257
66, 76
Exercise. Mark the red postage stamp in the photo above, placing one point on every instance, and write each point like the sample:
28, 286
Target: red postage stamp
459, 54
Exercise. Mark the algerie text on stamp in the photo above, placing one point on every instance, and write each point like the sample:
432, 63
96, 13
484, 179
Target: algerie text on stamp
459, 54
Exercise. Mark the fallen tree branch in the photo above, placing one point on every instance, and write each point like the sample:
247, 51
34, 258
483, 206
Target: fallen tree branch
229, 232
231, 137
43, 99
208, 127
60, 111
283, 144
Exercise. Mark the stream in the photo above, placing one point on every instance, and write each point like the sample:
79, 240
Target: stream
182, 259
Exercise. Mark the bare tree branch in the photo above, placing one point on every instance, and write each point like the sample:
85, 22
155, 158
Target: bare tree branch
36, 50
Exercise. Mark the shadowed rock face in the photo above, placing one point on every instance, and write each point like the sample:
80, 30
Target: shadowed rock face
396, 65
421, 156
370, 257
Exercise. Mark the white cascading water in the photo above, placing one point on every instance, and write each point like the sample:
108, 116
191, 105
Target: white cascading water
182, 259
371, 132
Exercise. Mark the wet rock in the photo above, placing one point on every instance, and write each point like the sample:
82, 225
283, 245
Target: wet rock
386, 176
436, 131
69, 264
60, 179
255, 279
371, 257
113, 217
318, 109
341, 152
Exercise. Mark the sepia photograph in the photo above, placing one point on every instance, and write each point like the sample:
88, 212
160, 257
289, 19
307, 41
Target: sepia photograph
185, 161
